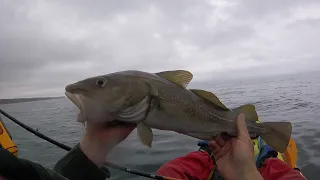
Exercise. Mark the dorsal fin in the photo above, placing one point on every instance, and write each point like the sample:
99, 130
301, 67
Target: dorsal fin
249, 111
179, 77
210, 97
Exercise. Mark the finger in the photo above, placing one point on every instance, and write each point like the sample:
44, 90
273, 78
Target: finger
242, 127
120, 131
226, 137
221, 151
220, 140
215, 148
126, 129
118, 124
92, 127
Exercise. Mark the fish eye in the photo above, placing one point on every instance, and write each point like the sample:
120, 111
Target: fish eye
102, 82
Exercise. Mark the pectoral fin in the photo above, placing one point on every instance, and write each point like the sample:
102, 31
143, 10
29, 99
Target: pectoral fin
145, 134
210, 97
179, 77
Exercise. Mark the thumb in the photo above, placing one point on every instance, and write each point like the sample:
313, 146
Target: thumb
242, 127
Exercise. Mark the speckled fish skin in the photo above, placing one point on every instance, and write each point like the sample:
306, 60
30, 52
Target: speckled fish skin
162, 101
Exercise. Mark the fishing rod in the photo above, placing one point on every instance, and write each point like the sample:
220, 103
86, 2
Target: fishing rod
67, 148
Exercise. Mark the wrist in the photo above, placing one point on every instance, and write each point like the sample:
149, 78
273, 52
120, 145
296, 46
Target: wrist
95, 150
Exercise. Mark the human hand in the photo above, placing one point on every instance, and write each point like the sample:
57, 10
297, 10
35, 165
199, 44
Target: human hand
100, 139
234, 155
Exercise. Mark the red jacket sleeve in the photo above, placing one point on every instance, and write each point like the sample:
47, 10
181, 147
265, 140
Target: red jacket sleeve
275, 169
198, 165
195, 165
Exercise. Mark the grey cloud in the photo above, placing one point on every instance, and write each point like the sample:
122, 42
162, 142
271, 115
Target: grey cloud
252, 9
306, 23
24, 47
224, 35
45, 45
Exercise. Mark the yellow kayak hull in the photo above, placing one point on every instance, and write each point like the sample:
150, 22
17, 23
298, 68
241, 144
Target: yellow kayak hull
5, 140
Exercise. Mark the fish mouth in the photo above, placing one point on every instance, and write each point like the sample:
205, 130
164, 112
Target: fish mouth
90, 109
77, 99
77, 94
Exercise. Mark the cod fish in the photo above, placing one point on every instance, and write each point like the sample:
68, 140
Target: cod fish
162, 101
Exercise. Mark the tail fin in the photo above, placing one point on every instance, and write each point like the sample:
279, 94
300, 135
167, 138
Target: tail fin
278, 136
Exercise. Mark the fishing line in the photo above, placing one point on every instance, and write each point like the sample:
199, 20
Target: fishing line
67, 148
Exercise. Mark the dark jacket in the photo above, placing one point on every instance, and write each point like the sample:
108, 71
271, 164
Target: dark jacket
73, 166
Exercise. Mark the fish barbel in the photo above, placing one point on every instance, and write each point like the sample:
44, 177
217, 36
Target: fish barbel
162, 101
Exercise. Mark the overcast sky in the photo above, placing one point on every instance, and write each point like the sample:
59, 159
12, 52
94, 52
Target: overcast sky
44, 45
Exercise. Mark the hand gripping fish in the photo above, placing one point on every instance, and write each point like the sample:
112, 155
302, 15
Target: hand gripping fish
162, 101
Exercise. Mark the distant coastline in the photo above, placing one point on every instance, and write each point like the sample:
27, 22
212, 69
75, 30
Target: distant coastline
19, 100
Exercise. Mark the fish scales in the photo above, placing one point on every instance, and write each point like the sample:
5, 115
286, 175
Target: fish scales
161, 100
187, 103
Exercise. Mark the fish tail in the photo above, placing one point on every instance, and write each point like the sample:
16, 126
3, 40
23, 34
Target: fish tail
278, 134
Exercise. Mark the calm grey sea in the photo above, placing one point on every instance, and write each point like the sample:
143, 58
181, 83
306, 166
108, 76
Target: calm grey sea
294, 98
